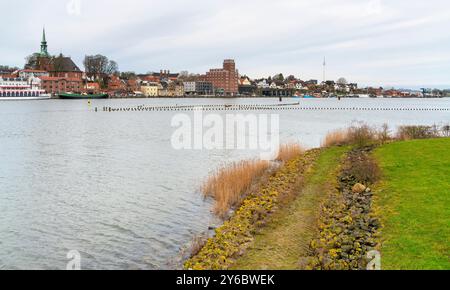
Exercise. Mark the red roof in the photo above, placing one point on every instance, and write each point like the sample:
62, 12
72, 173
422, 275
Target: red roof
60, 79
33, 71
93, 85
151, 78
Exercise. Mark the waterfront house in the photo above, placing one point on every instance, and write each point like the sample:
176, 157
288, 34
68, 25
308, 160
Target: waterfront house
93, 87
57, 85
150, 89
116, 85
263, 84
171, 89
198, 88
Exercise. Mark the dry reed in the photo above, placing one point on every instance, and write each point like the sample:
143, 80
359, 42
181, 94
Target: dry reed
229, 185
289, 151
336, 138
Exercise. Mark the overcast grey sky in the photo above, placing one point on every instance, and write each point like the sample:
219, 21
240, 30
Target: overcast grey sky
372, 42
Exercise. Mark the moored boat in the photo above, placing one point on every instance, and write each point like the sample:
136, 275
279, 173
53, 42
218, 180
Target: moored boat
72, 96
19, 89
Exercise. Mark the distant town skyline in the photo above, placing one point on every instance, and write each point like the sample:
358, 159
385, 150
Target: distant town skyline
372, 42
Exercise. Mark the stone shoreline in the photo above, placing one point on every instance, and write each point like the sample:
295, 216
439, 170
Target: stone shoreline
348, 226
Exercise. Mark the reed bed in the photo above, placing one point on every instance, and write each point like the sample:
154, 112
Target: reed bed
336, 138
289, 151
229, 185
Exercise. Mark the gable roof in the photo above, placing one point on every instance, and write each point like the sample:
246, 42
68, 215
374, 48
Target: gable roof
64, 64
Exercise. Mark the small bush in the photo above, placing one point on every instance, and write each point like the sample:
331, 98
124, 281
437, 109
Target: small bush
360, 135
364, 169
384, 134
289, 151
446, 130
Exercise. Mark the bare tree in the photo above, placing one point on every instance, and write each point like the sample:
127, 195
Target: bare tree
32, 61
97, 66
100, 68
342, 81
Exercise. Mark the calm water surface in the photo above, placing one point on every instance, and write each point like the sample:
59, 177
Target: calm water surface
110, 185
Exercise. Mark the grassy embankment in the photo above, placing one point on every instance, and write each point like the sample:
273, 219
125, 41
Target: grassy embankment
413, 201
276, 226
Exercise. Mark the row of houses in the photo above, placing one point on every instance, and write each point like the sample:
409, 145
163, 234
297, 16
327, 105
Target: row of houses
59, 74
167, 84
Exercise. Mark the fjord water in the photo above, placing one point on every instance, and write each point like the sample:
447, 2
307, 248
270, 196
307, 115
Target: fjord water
111, 186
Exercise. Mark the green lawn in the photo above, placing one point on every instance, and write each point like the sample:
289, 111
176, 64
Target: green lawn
413, 201
287, 236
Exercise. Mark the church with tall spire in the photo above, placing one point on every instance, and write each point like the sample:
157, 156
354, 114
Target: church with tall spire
63, 75
44, 51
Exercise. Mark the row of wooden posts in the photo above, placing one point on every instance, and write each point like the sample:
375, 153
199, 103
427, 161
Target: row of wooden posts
144, 108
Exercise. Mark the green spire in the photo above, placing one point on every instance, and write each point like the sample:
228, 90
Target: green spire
44, 51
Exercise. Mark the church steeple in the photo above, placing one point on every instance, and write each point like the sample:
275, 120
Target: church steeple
44, 51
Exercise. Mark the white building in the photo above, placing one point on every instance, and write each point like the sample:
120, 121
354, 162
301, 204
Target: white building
263, 84
29, 73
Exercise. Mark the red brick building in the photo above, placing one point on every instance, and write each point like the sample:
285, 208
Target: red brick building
57, 85
226, 79
115, 84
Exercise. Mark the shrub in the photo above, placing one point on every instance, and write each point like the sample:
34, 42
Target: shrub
360, 135
364, 169
384, 134
446, 130
417, 132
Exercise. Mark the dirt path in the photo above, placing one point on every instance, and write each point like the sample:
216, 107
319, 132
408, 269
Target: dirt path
286, 238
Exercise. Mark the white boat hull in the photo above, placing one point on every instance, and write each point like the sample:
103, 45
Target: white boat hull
25, 98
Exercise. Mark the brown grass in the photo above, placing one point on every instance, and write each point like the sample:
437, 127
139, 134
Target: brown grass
289, 151
229, 184
336, 138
